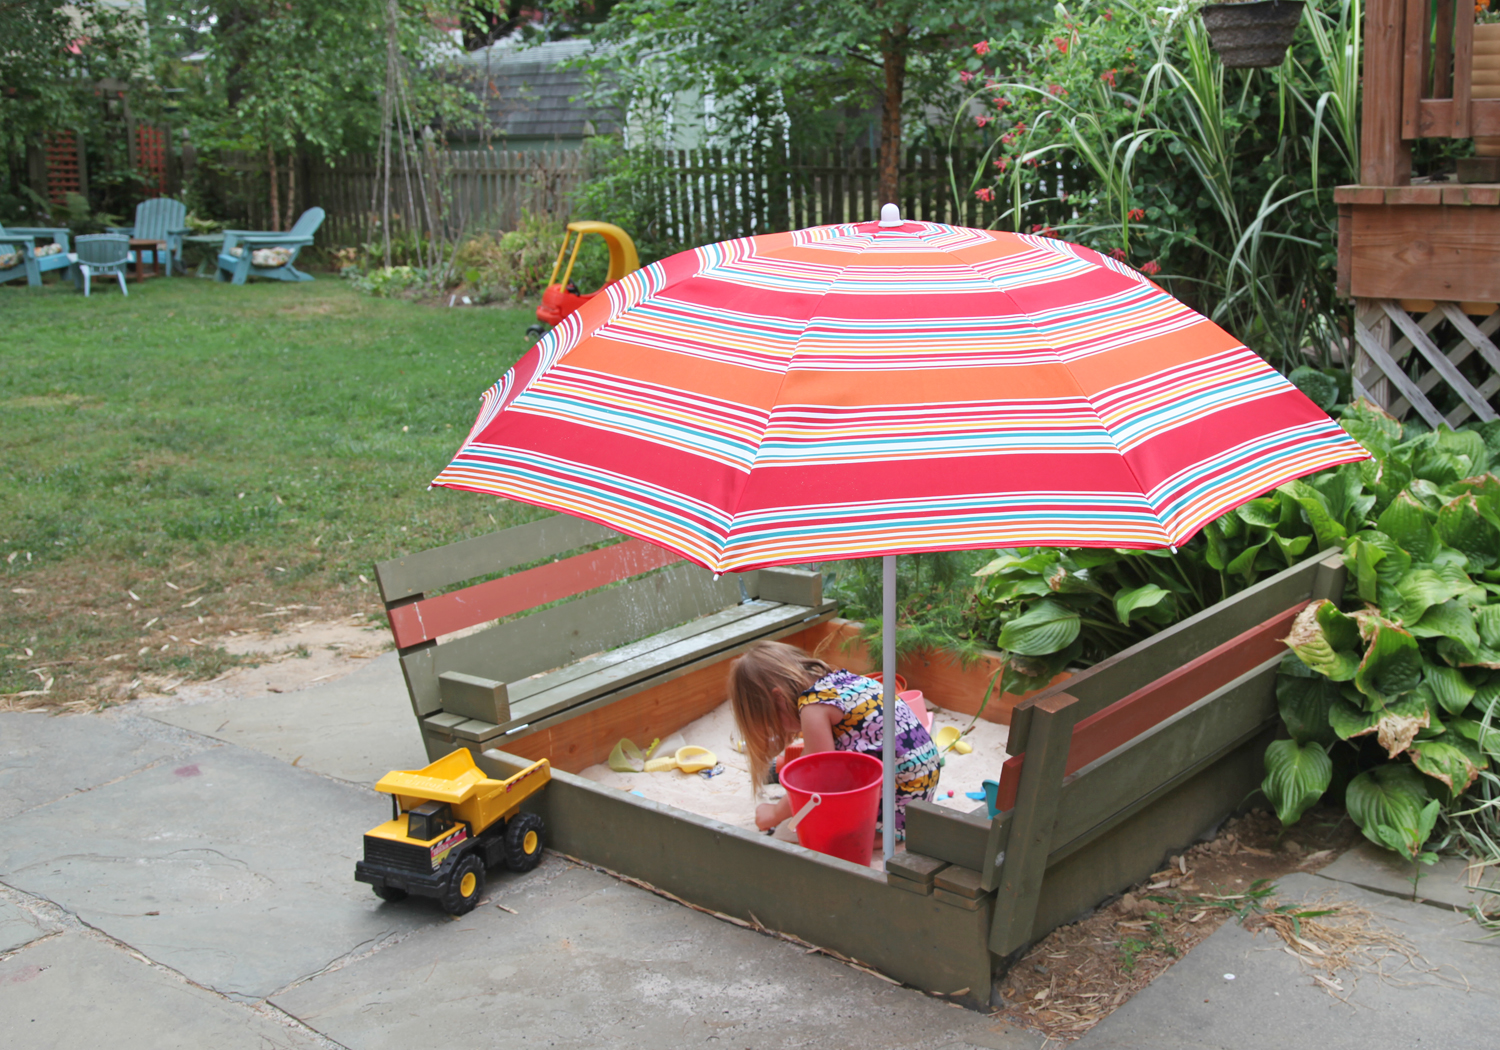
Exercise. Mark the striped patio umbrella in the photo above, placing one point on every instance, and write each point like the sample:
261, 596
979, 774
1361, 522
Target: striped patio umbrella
891, 387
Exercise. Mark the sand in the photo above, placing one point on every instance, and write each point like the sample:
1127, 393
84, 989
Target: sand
727, 797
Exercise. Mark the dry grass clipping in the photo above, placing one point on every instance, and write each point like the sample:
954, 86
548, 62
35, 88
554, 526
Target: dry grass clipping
1333, 937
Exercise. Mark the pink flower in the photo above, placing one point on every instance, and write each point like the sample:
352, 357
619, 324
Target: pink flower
985, 194
1151, 269
1118, 254
1108, 78
1061, 43
1007, 139
1042, 230
1001, 102
1136, 214
1003, 163
981, 120
1020, 127
1109, 15
1055, 90
982, 48
965, 75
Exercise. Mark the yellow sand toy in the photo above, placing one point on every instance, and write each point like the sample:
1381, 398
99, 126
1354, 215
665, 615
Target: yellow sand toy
450, 824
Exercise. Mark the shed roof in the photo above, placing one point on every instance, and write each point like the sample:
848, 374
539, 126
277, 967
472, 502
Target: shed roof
526, 94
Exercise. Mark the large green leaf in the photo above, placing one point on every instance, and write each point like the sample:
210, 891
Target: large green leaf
1487, 620
1349, 720
1328, 529
1243, 563
1461, 526
1392, 665
1409, 524
1421, 589
1393, 796
1046, 627
1264, 512
1326, 640
1455, 762
1011, 562
1395, 563
1291, 549
1143, 597
1305, 703
1362, 557
1296, 777
1449, 687
1372, 426
1452, 619
1486, 739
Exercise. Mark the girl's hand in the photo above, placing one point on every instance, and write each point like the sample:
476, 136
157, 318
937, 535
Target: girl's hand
765, 816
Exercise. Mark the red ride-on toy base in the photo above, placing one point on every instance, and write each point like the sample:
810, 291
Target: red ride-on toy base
562, 297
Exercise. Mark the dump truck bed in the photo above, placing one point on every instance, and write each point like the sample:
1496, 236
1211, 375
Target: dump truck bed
455, 779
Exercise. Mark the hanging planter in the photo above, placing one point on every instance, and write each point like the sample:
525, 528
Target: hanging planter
1252, 35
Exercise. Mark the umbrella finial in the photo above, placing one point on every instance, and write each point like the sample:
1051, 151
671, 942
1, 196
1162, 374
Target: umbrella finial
890, 215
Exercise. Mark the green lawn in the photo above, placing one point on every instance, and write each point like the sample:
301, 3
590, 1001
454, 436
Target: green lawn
266, 443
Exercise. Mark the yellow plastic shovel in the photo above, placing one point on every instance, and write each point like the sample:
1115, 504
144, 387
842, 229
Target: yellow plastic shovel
690, 759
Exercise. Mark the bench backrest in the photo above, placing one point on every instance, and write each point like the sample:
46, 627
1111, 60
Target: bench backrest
102, 249
307, 223
552, 612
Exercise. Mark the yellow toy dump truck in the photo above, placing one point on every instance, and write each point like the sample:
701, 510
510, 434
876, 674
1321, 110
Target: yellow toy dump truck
450, 824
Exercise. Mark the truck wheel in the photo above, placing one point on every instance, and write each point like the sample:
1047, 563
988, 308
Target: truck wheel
390, 893
465, 886
524, 841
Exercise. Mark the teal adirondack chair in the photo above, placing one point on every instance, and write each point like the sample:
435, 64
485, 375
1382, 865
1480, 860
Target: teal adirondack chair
160, 219
98, 255
277, 251
21, 256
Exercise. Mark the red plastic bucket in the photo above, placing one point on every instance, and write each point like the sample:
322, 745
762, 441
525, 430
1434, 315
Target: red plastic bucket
836, 795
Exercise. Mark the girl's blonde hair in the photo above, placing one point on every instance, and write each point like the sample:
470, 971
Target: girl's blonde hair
758, 714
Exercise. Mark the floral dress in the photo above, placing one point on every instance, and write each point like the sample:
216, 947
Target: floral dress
860, 730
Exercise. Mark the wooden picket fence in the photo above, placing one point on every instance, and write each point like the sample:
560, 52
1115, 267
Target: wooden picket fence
688, 197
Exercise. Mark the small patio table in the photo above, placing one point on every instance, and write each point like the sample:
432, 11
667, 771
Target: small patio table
211, 243
142, 245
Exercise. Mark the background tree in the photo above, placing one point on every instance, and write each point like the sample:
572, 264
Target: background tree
790, 61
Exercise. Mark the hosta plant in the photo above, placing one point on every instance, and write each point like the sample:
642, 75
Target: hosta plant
1402, 686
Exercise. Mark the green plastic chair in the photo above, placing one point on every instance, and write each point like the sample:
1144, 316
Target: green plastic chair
25, 258
160, 219
102, 254
237, 257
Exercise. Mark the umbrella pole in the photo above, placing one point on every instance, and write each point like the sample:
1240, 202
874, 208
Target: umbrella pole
888, 708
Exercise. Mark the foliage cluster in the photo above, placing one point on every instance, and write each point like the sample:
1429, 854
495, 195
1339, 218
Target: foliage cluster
1218, 180
56, 54
1404, 691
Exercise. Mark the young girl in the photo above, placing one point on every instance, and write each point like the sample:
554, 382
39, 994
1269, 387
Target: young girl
778, 692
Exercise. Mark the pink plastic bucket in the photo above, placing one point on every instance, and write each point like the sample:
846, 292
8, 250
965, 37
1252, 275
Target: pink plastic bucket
835, 796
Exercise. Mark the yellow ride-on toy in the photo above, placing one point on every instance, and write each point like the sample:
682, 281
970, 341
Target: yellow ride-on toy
561, 298
450, 823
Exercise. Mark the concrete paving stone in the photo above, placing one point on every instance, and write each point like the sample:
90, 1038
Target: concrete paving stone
1445, 882
19, 926
1272, 1001
45, 757
77, 990
232, 868
590, 962
357, 728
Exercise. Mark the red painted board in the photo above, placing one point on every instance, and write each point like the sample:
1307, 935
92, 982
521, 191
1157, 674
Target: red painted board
1152, 704
434, 617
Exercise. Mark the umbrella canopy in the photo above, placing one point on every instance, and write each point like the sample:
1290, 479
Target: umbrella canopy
875, 389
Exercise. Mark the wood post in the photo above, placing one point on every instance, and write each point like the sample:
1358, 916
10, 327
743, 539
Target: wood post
1023, 865
1385, 156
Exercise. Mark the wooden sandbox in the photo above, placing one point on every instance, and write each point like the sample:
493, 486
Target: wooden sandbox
1113, 768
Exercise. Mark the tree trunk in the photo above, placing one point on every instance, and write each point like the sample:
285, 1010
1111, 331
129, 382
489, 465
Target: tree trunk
893, 59
275, 201
291, 189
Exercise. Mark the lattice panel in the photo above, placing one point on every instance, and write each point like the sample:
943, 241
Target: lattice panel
1440, 363
62, 166
151, 158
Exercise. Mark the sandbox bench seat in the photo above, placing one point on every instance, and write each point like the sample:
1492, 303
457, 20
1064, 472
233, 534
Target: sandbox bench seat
542, 638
